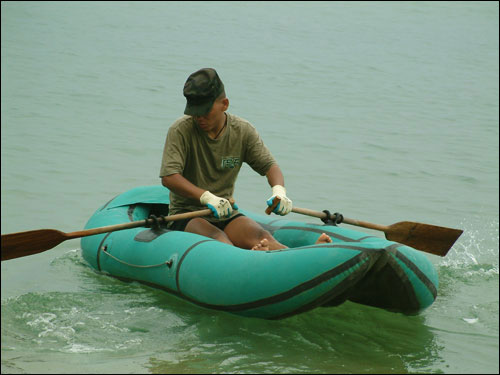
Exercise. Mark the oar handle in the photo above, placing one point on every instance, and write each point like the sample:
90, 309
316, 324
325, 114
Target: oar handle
271, 208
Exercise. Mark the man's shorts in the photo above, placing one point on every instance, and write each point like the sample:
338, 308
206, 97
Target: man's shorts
180, 225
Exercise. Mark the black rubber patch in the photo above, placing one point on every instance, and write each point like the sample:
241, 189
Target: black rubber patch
149, 235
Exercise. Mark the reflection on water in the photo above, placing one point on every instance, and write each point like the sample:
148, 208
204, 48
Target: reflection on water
349, 338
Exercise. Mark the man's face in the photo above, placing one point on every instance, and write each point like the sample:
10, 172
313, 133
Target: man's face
214, 117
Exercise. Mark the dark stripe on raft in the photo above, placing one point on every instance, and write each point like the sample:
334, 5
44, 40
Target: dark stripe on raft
334, 292
271, 223
421, 276
98, 254
182, 259
106, 205
403, 278
364, 238
326, 276
330, 246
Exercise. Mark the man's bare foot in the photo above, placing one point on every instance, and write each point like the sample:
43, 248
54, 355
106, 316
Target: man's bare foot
324, 238
262, 245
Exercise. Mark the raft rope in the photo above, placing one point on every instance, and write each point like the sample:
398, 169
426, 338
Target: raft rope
168, 263
152, 222
334, 219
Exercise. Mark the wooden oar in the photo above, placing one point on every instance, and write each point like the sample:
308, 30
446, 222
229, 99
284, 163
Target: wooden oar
16, 245
425, 237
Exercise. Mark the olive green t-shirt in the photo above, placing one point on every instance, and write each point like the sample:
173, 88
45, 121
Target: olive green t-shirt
211, 164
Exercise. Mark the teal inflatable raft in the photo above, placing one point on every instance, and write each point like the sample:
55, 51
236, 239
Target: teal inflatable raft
265, 284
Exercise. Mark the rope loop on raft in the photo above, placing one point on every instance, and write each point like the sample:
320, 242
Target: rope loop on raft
334, 219
167, 263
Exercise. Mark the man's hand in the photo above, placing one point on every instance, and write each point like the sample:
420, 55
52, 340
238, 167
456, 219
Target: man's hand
285, 205
220, 207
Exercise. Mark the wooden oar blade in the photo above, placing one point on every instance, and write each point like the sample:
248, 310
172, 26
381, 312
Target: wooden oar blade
429, 238
16, 245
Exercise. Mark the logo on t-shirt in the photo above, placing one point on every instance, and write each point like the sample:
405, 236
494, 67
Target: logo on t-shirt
230, 161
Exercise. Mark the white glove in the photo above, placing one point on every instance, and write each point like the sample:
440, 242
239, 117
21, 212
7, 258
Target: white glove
220, 206
285, 205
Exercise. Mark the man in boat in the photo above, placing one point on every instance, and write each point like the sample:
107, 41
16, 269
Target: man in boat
202, 157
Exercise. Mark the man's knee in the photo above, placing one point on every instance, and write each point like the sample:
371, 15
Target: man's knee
204, 228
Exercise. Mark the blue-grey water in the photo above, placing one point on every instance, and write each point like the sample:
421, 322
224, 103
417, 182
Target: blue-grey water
382, 111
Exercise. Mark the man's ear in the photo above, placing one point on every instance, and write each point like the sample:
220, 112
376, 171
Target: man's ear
225, 103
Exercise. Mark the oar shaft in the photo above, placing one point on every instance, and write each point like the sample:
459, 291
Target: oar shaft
365, 224
322, 215
136, 224
106, 229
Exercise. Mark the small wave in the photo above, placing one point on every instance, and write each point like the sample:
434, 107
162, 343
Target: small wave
80, 348
477, 248
72, 256
470, 320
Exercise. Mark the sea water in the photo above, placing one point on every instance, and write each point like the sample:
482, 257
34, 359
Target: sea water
383, 111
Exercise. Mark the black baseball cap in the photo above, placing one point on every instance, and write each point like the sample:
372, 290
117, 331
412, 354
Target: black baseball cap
201, 89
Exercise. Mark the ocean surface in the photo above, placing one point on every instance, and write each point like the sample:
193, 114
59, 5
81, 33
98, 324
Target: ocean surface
383, 111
